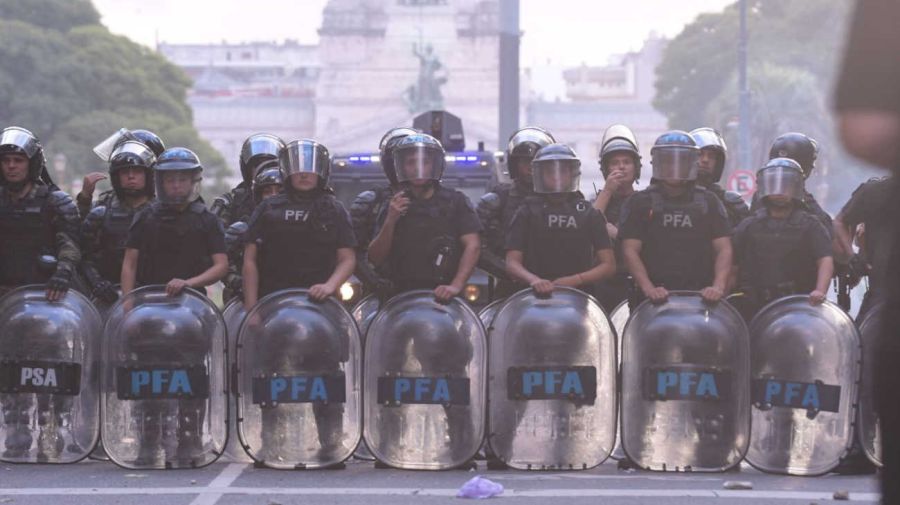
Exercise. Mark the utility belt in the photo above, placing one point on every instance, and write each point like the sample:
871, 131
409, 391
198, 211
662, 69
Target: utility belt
764, 295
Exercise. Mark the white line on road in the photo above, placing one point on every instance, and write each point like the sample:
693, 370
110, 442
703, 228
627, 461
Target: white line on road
218, 485
386, 491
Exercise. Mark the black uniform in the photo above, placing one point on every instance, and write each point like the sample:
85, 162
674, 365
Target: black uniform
810, 205
676, 236
103, 236
777, 257
615, 290
425, 251
364, 212
735, 206
298, 238
867, 206
496, 210
558, 238
174, 244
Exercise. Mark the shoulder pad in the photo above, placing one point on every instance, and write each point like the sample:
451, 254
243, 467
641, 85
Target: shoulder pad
237, 228
734, 198
98, 212
61, 200
366, 197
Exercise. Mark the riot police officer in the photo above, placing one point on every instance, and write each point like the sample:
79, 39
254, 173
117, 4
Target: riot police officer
38, 225
104, 150
675, 235
427, 238
557, 238
269, 181
301, 238
804, 150
711, 165
782, 249
38, 230
105, 228
620, 164
175, 241
497, 207
368, 205
864, 211
237, 204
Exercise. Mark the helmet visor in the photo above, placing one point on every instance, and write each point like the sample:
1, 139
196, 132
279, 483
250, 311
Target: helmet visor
556, 176
104, 150
418, 163
133, 153
303, 157
674, 164
785, 181
21, 140
260, 145
176, 187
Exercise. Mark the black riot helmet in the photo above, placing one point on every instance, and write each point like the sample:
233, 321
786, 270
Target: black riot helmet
798, 147
132, 153
268, 174
674, 157
258, 148
556, 169
417, 157
781, 176
305, 156
709, 138
619, 139
386, 150
523, 146
149, 139
178, 176
17, 140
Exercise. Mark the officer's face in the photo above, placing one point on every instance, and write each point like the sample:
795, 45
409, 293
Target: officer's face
557, 179
14, 166
270, 190
622, 163
304, 181
132, 178
523, 168
178, 185
707, 162
414, 166
779, 201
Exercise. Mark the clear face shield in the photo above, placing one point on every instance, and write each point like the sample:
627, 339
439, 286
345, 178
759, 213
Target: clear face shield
301, 158
674, 164
104, 150
260, 145
21, 139
418, 163
784, 181
178, 187
133, 153
556, 176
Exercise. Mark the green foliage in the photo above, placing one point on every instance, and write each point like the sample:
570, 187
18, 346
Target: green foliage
69, 80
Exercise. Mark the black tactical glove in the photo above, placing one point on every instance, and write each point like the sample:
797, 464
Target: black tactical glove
60, 280
105, 291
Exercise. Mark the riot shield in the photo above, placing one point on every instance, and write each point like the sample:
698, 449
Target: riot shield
553, 382
49, 354
869, 427
685, 385
299, 368
425, 383
104, 307
165, 394
234, 315
364, 312
488, 313
619, 318
804, 367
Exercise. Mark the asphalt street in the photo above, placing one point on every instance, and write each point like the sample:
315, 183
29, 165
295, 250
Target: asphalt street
225, 483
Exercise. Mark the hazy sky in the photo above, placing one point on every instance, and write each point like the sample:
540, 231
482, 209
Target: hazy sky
556, 33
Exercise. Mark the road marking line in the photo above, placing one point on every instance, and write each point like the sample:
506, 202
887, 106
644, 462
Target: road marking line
220, 483
218, 492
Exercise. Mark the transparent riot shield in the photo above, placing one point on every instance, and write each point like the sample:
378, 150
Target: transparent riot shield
49, 382
869, 427
234, 315
553, 382
364, 312
488, 313
685, 385
299, 367
804, 368
619, 318
425, 397
165, 393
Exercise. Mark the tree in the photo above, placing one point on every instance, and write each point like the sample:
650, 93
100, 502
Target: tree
64, 76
